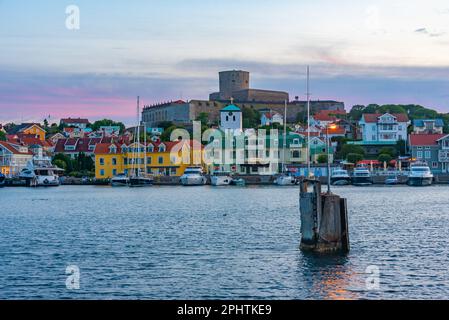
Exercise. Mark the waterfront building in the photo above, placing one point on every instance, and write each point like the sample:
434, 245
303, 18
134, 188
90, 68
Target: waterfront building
432, 149
248, 153
53, 139
13, 158
32, 141
270, 117
160, 158
384, 128
29, 129
75, 123
428, 126
73, 132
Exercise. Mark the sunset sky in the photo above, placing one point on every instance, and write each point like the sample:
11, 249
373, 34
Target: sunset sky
360, 52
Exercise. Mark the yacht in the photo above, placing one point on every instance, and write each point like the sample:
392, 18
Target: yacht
361, 177
340, 177
239, 182
420, 175
2, 180
285, 180
221, 179
193, 176
40, 172
120, 180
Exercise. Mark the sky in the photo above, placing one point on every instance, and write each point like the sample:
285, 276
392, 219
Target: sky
360, 52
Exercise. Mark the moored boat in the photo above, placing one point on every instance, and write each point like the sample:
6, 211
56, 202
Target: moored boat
392, 180
361, 177
221, 179
340, 177
420, 175
240, 182
140, 182
285, 180
40, 172
2, 180
120, 180
193, 176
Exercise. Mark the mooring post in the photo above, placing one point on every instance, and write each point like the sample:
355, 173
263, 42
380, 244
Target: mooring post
324, 220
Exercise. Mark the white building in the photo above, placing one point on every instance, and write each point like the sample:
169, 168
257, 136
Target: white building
380, 128
231, 118
269, 118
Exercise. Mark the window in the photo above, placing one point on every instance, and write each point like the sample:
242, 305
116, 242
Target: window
419, 148
161, 160
296, 154
114, 161
161, 148
150, 148
149, 160
125, 161
114, 172
419, 154
435, 165
227, 118
102, 161
102, 172
428, 154
173, 171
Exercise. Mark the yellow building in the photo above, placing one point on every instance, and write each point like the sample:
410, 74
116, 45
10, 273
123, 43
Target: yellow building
161, 159
30, 129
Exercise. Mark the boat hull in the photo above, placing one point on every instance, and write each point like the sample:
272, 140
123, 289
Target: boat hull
220, 181
193, 181
140, 182
285, 181
362, 181
420, 181
343, 181
119, 183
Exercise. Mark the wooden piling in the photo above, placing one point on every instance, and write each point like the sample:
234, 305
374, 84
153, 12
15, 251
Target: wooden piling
324, 220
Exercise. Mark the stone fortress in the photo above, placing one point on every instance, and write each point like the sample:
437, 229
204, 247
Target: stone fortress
234, 86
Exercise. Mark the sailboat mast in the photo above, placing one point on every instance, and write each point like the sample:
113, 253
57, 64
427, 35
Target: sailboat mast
285, 137
308, 121
138, 137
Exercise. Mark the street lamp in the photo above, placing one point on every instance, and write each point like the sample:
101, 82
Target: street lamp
332, 127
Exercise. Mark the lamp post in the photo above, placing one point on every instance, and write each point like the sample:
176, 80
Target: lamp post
333, 127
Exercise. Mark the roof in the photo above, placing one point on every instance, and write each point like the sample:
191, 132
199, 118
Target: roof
231, 108
372, 143
103, 148
27, 140
328, 115
14, 148
77, 121
373, 117
420, 122
22, 127
425, 139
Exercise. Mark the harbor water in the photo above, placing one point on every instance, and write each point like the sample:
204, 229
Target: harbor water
218, 243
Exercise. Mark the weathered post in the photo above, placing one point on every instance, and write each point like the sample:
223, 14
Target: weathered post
324, 220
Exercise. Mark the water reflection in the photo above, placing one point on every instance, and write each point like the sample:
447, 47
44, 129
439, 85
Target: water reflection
329, 276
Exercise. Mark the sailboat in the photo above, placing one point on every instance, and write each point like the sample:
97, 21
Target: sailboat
285, 179
138, 179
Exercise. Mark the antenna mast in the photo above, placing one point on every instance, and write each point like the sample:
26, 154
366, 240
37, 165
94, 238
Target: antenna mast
308, 121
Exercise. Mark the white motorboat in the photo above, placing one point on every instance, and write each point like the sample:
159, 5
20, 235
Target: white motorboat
193, 176
420, 175
120, 180
285, 180
361, 177
340, 177
221, 179
40, 172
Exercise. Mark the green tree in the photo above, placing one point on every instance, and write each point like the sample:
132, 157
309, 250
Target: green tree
165, 136
60, 164
384, 157
392, 152
354, 158
251, 118
165, 124
322, 158
2, 136
60, 157
401, 147
45, 124
203, 117
350, 148
107, 123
